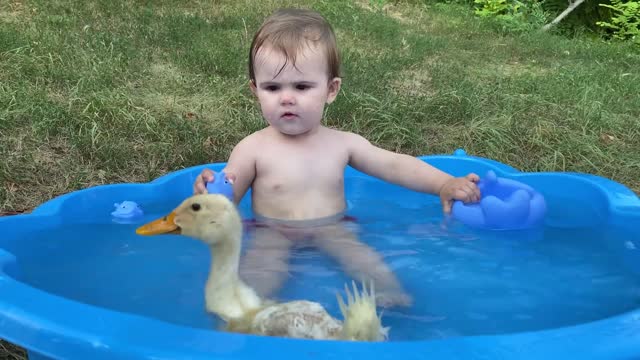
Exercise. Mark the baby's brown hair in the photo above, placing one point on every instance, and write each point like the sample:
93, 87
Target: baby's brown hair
289, 30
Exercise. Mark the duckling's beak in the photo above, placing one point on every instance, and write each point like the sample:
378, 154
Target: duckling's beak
164, 225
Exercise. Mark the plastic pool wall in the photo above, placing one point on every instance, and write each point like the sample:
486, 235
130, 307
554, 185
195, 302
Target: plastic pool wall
54, 327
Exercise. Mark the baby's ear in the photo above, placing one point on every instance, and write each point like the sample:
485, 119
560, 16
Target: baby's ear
334, 89
252, 86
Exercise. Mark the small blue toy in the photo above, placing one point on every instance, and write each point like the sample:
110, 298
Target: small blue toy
505, 205
221, 185
127, 210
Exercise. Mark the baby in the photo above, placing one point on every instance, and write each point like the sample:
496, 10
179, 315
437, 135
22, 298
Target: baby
295, 166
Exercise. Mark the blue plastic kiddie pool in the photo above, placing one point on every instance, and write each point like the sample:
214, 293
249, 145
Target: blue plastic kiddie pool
76, 283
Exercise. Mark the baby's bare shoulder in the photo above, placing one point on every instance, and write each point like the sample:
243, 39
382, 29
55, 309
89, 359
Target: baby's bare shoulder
247, 150
252, 141
346, 138
342, 136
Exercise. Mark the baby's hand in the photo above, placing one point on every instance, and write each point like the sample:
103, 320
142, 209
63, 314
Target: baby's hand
206, 176
462, 188
200, 186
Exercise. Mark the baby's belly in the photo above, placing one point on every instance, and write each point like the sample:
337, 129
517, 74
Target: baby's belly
294, 207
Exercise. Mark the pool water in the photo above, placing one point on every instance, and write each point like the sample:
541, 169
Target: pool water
464, 282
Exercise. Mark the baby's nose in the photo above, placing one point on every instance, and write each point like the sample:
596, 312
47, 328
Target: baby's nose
287, 98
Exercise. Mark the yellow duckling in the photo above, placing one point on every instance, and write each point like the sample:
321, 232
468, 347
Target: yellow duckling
213, 219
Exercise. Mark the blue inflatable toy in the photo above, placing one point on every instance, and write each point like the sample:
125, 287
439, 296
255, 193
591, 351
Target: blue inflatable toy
505, 205
220, 185
127, 210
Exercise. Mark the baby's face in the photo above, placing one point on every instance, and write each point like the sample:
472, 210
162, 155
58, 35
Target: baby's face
293, 100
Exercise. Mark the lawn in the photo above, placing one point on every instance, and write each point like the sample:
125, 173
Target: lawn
98, 92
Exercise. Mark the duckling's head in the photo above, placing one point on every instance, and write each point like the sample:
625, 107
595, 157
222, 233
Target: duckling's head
211, 218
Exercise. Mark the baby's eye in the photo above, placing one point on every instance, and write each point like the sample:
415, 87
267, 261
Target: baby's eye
302, 87
272, 88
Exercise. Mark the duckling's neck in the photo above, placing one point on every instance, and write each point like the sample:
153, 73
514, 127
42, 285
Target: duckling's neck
225, 257
226, 294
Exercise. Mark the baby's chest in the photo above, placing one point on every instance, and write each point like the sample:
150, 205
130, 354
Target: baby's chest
298, 169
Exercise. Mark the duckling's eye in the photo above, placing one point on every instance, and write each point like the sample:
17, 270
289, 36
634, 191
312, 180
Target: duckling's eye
195, 207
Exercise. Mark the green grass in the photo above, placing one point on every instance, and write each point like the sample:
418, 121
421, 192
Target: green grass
105, 92
124, 91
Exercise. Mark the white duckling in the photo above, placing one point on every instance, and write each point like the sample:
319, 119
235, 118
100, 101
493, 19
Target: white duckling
214, 219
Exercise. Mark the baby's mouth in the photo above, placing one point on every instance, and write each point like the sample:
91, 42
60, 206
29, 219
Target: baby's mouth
289, 116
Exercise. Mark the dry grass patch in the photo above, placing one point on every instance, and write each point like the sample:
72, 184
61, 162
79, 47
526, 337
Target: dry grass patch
15, 11
11, 352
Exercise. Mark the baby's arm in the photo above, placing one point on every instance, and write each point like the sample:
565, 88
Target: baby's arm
241, 169
410, 172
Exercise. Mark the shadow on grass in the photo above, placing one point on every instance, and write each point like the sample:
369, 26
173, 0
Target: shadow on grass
9, 351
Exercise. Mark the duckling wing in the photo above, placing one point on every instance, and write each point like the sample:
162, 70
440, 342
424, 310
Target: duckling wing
296, 319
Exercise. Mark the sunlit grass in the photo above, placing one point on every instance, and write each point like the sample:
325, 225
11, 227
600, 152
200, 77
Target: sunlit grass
103, 92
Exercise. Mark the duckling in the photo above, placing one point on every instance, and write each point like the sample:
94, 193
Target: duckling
214, 220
